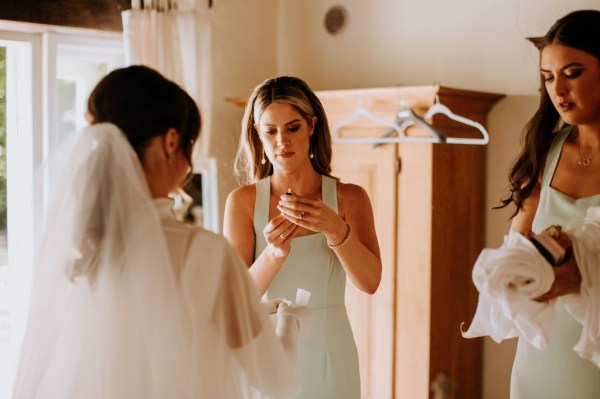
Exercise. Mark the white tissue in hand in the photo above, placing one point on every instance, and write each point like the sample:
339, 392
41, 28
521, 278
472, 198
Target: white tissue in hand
302, 297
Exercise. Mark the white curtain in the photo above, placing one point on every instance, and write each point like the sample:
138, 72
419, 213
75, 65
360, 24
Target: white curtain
175, 39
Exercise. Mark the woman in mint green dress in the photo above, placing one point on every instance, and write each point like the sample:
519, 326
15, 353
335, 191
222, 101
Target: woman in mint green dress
298, 227
554, 180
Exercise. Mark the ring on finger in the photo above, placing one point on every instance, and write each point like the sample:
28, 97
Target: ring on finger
301, 214
282, 236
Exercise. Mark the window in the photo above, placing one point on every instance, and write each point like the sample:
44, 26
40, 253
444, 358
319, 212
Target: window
45, 79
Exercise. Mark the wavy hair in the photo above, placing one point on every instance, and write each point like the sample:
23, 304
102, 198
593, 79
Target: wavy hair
284, 90
579, 30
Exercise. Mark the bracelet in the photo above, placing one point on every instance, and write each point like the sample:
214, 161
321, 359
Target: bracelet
344, 241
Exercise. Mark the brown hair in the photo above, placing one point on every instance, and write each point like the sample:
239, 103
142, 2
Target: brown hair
144, 104
579, 30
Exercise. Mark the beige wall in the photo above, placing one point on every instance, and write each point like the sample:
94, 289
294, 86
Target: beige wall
469, 44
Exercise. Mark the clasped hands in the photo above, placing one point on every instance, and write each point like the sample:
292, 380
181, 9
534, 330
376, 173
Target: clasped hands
297, 212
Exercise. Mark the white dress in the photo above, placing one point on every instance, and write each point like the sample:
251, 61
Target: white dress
127, 303
221, 299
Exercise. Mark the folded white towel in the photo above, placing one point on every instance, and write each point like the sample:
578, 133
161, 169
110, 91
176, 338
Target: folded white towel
508, 277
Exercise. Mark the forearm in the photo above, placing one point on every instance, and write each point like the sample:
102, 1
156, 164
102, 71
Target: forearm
362, 266
264, 269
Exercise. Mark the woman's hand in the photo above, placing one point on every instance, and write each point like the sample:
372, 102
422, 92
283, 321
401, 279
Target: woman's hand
279, 233
314, 215
567, 281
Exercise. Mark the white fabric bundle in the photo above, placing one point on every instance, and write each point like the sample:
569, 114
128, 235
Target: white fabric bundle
508, 277
292, 322
585, 307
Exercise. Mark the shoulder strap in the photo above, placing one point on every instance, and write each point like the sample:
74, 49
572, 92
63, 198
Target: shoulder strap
329, 190
554, 154
261, 204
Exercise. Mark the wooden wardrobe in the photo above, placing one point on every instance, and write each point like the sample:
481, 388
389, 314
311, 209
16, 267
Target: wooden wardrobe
428, 203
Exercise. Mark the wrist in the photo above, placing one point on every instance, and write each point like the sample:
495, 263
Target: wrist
275, 254
339, 243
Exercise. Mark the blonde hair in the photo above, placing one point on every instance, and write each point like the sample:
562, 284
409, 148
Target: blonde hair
285, 90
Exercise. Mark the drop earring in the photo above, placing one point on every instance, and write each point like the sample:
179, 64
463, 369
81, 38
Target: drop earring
310, 153
263, 160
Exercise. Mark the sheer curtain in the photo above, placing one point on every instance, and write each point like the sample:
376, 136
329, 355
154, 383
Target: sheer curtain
173, 37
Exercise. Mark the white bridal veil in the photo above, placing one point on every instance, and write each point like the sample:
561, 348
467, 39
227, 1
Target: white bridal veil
111, 316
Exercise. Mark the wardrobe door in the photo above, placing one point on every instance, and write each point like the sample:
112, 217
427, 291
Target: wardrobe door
413, 271
372, 316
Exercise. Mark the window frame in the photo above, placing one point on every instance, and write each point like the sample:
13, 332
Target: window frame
31, 135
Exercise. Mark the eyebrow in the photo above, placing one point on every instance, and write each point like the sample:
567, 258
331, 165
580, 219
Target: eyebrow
577, 64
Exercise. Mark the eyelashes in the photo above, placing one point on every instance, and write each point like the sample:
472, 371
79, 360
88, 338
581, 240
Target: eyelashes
567, 75
292, 129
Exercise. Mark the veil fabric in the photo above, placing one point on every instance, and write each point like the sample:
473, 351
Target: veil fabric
124, 306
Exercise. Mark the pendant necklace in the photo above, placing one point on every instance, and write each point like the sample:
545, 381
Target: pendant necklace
583, 160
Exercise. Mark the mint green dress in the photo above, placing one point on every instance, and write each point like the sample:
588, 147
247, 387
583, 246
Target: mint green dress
327, 363
556, 372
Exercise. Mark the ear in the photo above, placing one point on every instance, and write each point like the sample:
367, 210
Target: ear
311, 128
170, 142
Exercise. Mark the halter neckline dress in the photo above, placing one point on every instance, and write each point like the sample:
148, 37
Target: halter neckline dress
556, 372
327, 362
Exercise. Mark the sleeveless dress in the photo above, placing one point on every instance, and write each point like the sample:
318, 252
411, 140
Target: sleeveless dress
556, 372
327, 362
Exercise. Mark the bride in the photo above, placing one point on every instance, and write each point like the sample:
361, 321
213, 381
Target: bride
127, 302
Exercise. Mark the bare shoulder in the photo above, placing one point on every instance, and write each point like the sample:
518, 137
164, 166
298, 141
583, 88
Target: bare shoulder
242, 197
351, 192
352, 200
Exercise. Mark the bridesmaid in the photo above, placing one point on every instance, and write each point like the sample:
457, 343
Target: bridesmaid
554, 180
296, 226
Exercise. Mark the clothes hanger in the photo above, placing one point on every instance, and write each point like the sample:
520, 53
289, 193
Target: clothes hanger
359, 112
439, 108
405, 117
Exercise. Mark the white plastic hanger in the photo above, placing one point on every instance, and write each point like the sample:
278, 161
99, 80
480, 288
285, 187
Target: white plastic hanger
439, 108
359, 112
405, 117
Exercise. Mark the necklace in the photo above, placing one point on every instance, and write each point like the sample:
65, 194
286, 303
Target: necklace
583, 160
312, 191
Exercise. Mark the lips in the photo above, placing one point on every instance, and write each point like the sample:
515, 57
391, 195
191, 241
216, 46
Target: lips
285, 154
565, 106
